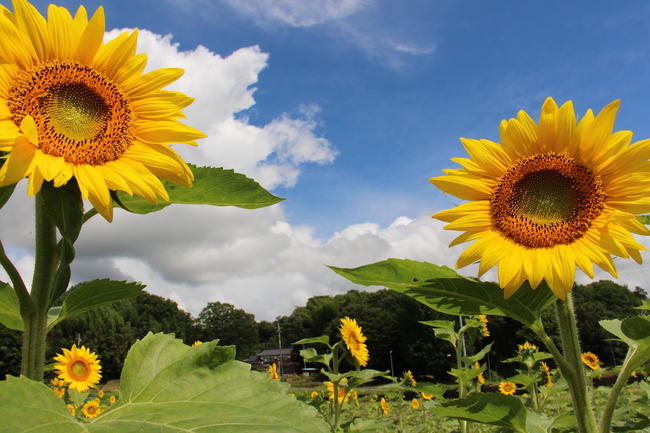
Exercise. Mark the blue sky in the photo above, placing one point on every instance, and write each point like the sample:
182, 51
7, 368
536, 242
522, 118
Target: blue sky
380, 91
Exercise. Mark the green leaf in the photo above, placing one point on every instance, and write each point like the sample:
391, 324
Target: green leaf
167, 386
488, 408
324, 339
478, 356
645, 305
5, 193
614, 326
212, 186
444, 290
10, 308
645, 219
637, 328
437, 390
92, 294
310, 355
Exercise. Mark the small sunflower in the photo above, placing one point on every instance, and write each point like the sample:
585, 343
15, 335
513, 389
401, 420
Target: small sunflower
273, 371
314, 394
72, 106
92, 409
527, 347
197, 343
100, 394
426, 396
547, 373
112, 399
72, 408
384, 406
408, 378
79, 368
485, 332
354, 340
480, 378
591, 360
507, 388
415, 403
343, 395
552, 196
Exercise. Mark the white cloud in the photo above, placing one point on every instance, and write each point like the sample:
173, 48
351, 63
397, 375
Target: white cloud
298, 13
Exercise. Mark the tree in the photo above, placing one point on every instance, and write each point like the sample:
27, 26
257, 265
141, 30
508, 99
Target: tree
231, 326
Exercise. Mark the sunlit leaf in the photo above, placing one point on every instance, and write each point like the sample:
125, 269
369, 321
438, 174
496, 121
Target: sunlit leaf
442, 289
212, 186
487, 408
10, 308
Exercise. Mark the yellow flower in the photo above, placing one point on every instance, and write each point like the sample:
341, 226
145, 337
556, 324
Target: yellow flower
343, 395
74, 106
384, 406
72, 408
591, 360
550, 197
112, 399
314, 394
547, 372
415, 403
526, 347
79, 368
480, 378
408, 377
354, 340
273, 370
100, 394
60, 392
484, 328
507, 388
426, 396
196, 343
92, 409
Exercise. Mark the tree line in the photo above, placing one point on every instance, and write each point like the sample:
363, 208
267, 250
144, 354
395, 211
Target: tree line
396, 339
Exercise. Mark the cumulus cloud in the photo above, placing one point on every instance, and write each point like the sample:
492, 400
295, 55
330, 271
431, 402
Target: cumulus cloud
298, 13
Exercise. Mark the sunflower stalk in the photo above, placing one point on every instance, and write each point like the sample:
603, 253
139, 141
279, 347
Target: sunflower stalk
574, 371
35, 318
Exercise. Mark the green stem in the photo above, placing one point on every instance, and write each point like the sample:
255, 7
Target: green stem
464, 427
626, 370
574, 374
35, 319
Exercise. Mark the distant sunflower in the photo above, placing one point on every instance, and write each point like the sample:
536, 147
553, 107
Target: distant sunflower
507, 388
591, 360
79, 368
415, 403
342, 391
426, 396
112, 399
480, 378
547, 373
384, 406
550, 197
92, 409
409, 379
354, 340
72, 106
273, 371
485, 332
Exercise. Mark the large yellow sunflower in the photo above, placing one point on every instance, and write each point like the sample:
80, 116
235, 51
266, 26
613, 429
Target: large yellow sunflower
79, 368
72, 106
354, 340
550, 197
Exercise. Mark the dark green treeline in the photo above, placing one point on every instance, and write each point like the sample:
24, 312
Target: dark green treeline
389, 320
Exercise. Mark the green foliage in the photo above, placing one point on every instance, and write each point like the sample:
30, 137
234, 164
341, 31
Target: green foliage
167, 386
494, 409
9, 308
212, 186
232, 326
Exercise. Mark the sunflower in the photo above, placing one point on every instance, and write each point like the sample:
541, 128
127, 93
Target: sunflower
79, 368
384, 406
343, 395
354, 340
480, 378
507, 388
591, 360
415, 403
485, 332
409, 379
550, 197
112, 399
547, 373
92, 409
273, 371
197, 343
72, 106
426, 396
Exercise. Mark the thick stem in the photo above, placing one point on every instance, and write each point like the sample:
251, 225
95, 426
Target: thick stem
575, 375
35, 320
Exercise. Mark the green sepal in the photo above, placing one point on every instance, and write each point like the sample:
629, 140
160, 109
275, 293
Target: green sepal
10, 308
92, 294
212, 186
487, 408
443, 290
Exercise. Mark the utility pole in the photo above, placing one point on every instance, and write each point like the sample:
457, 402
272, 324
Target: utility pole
280, 345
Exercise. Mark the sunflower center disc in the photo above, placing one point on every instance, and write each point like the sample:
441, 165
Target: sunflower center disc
79, 370
546, 200
80, 114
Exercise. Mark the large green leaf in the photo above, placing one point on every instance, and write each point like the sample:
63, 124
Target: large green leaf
442, 289
92, 294
168, 387
212, 186
488, 408
10, 308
